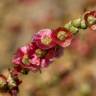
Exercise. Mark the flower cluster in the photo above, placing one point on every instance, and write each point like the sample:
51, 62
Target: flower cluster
45, 46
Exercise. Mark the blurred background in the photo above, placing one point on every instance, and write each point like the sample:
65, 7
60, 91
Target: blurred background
74, 74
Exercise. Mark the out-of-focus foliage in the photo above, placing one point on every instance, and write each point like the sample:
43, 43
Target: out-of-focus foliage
74, 74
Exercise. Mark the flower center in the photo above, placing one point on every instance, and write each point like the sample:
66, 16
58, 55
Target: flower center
40, 53
25, 59
61, 35
91, 20
46, 40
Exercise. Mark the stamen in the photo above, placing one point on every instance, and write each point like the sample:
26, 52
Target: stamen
61, 35
46, 40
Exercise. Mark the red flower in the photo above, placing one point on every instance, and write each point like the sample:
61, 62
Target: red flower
90, 13
62, 37
93, 14
43, 39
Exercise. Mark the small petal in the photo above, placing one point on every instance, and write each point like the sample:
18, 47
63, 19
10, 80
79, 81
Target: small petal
93, 27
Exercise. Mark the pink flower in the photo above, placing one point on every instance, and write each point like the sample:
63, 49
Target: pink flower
34, 63
23, 54
43, 39
21, 57
38, 62
32, 58
62, 37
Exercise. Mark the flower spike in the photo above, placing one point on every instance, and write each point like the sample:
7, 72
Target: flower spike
46, 45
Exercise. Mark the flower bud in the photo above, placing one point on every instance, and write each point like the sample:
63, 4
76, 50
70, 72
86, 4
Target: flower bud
72, 28
67, 26
76, 23
83, 24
